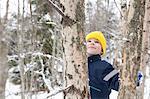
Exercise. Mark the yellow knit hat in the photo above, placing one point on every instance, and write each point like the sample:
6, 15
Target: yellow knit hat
100, 37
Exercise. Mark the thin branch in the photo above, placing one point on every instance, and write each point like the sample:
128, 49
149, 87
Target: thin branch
25, 92
66, 19
45, 55
47, 81
56, 8
6, 14
58, 91
33, 91
118, 8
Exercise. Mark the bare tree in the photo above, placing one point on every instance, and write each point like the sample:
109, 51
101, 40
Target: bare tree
145, 56
3, 67
75, 70
20, 49
3, 54
133, 17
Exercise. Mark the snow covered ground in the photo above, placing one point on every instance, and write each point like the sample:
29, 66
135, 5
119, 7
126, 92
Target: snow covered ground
113, 94
147, 84
147, 89
12, 92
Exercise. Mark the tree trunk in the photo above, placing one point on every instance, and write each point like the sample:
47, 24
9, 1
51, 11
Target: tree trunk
132, 50
3, 68
3, 62
75, 69
145, 64
3, 54
20, 35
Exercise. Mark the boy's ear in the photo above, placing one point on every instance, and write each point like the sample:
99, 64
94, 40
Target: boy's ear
102, 52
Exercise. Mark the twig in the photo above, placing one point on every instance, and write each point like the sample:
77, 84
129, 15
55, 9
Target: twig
67, 21
54, 93
25, 92
57, 8
118, 8
47, 81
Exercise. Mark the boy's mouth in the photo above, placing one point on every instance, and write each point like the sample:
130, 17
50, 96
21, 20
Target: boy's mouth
92, 47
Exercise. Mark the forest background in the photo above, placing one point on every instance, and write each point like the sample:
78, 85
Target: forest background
42, 49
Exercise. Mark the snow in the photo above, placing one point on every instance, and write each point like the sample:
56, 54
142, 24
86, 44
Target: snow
147, 84
113, 94
13, 92
13, 6
147, 89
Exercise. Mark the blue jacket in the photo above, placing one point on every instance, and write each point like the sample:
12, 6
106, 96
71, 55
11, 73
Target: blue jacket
98, 69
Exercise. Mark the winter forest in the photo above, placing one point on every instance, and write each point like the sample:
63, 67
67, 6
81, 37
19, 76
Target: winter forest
43, 53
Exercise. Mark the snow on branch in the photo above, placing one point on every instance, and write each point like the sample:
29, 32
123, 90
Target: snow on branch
36, 54
67, 20
118, 8
47, 55
56, 8
47, 81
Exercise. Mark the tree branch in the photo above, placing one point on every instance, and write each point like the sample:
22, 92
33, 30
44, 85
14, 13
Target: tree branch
67, 21
56, 8
58, 91
118, 8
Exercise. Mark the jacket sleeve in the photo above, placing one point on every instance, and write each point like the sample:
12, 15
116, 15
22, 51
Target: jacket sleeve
111, 76
114, 82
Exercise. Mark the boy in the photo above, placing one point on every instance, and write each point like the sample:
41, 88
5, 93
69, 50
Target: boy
102, 76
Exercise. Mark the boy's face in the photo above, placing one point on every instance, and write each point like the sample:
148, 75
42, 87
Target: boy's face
93, 47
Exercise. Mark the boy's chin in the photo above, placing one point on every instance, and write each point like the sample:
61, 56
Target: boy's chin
90, 54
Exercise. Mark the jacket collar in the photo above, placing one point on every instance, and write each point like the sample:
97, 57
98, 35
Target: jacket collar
94, 58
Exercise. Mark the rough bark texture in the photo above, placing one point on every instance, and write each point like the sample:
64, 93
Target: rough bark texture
3, 54
145, 64
3, 61
74, 50
3, 68
132, 50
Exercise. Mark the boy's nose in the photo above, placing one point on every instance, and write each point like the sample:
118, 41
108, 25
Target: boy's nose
92, 43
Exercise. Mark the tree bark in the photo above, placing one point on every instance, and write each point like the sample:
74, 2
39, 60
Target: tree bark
145, 60
75, 69
3, 54
20, 45
3, 68
132, 50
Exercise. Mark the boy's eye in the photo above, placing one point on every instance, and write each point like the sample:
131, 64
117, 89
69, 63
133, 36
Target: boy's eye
89, 41
96, 42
